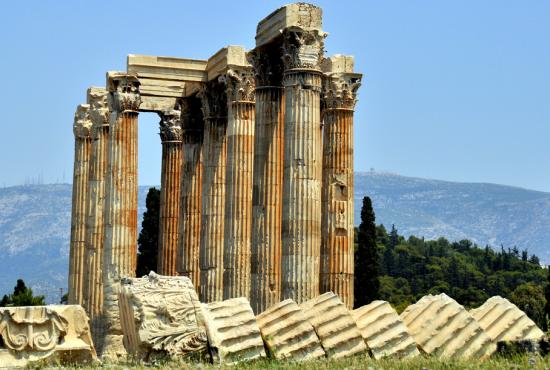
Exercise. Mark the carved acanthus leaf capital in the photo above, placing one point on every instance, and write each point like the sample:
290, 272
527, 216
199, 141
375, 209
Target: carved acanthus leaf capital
303, 49
125, 93
170, 125
267, 66
340, 91
99, 107
213, 98
241, 86
82, 126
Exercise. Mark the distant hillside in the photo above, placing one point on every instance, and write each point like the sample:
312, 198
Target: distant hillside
35, 221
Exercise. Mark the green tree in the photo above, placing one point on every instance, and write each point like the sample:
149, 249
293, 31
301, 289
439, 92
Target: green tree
22, 296
529, 297
366, 284
547, 305
149, 235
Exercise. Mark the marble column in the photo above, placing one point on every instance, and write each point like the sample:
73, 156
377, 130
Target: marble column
238, 206
214, 101
83, 140
171, 137
266, 246
191, 191
95, 228
337, 249
120, 244
302, 172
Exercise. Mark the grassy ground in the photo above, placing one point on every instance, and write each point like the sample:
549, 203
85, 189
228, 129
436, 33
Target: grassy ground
500, 363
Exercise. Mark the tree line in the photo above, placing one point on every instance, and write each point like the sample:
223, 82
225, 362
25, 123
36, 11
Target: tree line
401, 270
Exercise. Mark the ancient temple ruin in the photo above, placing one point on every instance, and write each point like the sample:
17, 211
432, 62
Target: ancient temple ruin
257, 173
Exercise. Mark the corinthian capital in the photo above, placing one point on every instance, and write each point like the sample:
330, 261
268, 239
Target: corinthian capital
82, 124
303, 49
213, 98
240, 85
124, 89
267, 65
340, 83
170, 125
99, 107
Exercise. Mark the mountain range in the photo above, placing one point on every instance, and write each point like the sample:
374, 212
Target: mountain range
35, 221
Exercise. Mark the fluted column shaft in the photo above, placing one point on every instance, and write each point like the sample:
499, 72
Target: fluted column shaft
82, 127
171, 136
301, 221
191, 206
120, 244
213, 192
267, 198
238, 207
93, 284
337, 248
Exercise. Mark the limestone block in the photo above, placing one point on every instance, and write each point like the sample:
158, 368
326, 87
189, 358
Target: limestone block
504, 321
307, 17
233, 333
443, 328
288, 334
384, 331
231, 56
44, 333
161, 315
339, 335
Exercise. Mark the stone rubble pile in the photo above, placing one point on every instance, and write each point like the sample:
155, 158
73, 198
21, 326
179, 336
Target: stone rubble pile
161, 317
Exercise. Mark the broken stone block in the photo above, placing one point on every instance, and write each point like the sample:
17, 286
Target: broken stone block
57, 333
443, 328
287, 333
233, 333
161, 316
384, 331
334, 325
504, 321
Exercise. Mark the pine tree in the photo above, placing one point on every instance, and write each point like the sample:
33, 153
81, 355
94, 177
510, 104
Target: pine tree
22, 296
547, 306
366, 284
149, 235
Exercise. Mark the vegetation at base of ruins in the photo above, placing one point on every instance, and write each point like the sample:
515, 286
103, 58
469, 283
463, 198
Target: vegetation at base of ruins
149, 235
366, 283
22, 296
547, 306
357, 362
413, 267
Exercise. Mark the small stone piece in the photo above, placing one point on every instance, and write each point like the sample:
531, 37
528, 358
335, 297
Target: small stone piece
443, 328
287, 333
340, 336
504, 321
384, 331
233, 332
44, 333
161, 315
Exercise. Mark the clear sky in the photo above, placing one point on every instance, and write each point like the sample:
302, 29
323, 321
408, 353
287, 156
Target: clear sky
454, 90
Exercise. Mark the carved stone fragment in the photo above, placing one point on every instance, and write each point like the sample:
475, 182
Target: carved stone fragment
287, 333
339, 335
161, 315
503, 321
233, 333
443, 328
44, 333
384, 331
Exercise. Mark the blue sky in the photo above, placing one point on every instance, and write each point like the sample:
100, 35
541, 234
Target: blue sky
454, 90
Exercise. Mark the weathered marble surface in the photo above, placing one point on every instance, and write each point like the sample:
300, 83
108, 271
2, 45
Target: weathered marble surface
161, 315
384, 331
287, 333
441, 327
333, 323
504, 321
44, 333
233, 333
